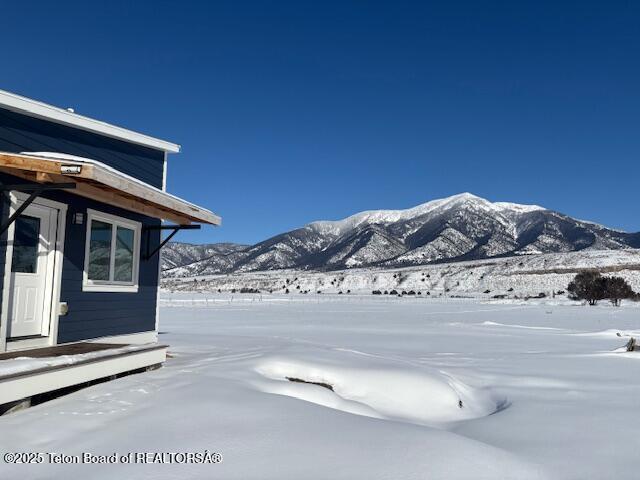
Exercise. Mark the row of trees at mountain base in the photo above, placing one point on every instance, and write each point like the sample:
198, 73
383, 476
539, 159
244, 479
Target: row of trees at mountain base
593, 287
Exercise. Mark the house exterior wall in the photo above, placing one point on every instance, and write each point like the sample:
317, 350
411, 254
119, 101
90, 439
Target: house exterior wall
21, 133
90, 314
96, 314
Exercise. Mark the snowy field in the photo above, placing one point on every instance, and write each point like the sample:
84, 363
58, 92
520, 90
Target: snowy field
422, 389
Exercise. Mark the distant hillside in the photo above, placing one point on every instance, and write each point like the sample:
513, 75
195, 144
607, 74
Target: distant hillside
457, 228
507, 277
177, 254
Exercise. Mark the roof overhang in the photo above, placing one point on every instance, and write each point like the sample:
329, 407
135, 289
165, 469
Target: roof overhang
33, 108
100, 182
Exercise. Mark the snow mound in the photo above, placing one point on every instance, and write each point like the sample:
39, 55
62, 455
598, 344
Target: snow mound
379, 389
497, 324
610, 333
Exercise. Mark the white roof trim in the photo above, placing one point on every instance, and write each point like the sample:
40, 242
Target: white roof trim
33, 108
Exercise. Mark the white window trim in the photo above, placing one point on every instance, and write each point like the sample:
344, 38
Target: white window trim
112, 286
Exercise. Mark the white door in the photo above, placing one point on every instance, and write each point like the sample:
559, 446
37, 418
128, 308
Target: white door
32, 259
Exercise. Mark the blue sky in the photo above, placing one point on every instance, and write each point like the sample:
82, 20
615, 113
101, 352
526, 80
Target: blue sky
290, 112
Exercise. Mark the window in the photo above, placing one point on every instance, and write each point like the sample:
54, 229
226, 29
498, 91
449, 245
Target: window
25, 245
112, 253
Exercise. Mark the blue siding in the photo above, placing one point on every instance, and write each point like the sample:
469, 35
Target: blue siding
21, 133
97, 314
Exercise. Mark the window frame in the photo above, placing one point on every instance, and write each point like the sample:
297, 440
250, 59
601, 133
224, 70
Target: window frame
112, 285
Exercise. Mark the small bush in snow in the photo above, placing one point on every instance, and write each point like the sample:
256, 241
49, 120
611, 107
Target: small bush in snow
376, 292
589, 286
249, 290
540, 295
618, 289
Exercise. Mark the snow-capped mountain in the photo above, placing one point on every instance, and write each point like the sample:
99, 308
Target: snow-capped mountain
461, 227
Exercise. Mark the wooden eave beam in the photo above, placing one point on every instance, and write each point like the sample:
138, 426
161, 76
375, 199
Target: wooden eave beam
94, 193
106, 186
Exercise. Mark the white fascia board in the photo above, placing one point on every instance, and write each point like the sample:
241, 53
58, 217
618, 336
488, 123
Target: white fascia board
33, 108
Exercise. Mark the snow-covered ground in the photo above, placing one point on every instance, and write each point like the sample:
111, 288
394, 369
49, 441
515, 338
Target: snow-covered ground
422, 388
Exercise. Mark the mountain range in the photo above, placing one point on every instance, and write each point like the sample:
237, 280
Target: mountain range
456, 228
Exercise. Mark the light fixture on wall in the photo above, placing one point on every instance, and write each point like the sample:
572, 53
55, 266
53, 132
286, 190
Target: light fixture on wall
78, 218
70, 169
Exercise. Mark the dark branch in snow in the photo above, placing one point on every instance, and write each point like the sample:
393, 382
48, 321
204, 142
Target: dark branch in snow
320, 384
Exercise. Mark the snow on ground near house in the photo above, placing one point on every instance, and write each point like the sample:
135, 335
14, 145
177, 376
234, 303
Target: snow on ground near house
422, 388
